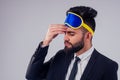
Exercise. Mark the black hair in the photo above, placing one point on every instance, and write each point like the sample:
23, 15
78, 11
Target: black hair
87, 13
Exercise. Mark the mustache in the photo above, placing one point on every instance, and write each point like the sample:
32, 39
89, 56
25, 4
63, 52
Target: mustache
68, 42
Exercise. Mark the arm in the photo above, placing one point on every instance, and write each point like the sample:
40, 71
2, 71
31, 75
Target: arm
37, 69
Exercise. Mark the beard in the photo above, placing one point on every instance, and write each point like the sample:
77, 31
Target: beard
74, 48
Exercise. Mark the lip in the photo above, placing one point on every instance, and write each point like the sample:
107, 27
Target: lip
67, 44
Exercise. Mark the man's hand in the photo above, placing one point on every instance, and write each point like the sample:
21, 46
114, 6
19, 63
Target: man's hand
53, 31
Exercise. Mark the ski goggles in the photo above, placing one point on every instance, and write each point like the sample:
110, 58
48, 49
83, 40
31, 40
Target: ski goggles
75, 21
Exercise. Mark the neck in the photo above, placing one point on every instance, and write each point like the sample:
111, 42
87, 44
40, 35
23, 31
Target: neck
84, 49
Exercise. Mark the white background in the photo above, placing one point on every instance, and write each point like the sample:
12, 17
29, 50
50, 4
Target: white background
23, 24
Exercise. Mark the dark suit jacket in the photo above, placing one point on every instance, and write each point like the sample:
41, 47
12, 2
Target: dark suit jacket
99, 67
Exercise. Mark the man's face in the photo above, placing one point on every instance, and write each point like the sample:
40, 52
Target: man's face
73, 40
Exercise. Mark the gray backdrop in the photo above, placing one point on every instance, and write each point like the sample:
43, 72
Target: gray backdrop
23, 24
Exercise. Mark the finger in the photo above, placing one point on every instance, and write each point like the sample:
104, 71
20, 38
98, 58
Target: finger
58, 32
58, 26
54, 28
57, 29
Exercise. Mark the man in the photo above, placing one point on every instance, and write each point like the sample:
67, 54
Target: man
79, 60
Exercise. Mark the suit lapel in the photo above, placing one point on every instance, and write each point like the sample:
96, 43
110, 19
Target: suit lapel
89, 66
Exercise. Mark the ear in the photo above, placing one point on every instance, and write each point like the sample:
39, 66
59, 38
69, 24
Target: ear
88, 36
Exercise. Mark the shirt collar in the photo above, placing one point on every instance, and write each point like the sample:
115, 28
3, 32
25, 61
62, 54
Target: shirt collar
86, 54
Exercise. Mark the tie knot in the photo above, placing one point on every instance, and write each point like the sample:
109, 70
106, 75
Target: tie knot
77, 59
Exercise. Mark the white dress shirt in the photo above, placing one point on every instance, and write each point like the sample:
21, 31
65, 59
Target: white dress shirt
81, 65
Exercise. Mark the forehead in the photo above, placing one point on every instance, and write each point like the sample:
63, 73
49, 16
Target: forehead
73, 30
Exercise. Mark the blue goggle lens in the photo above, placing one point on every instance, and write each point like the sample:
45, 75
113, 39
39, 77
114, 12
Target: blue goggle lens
73, 21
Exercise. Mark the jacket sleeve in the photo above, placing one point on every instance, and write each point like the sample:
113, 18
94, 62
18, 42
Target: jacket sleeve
37, 69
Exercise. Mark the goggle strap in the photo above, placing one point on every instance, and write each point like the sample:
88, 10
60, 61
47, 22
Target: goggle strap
88, 28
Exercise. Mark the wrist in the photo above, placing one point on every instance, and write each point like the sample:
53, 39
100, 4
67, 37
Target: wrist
45, 43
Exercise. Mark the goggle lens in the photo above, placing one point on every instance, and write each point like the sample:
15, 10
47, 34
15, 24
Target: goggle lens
73, 21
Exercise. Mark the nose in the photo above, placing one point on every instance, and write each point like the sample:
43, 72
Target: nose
66, 38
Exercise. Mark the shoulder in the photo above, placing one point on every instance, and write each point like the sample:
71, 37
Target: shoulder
105, 60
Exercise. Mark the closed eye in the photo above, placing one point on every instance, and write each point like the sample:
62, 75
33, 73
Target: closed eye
71, 33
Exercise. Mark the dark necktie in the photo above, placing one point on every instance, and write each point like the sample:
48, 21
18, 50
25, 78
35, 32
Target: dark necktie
74, 69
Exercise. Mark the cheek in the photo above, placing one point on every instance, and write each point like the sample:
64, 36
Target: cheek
75, 39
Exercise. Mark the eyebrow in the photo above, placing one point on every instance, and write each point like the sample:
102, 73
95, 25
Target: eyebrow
70, 32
